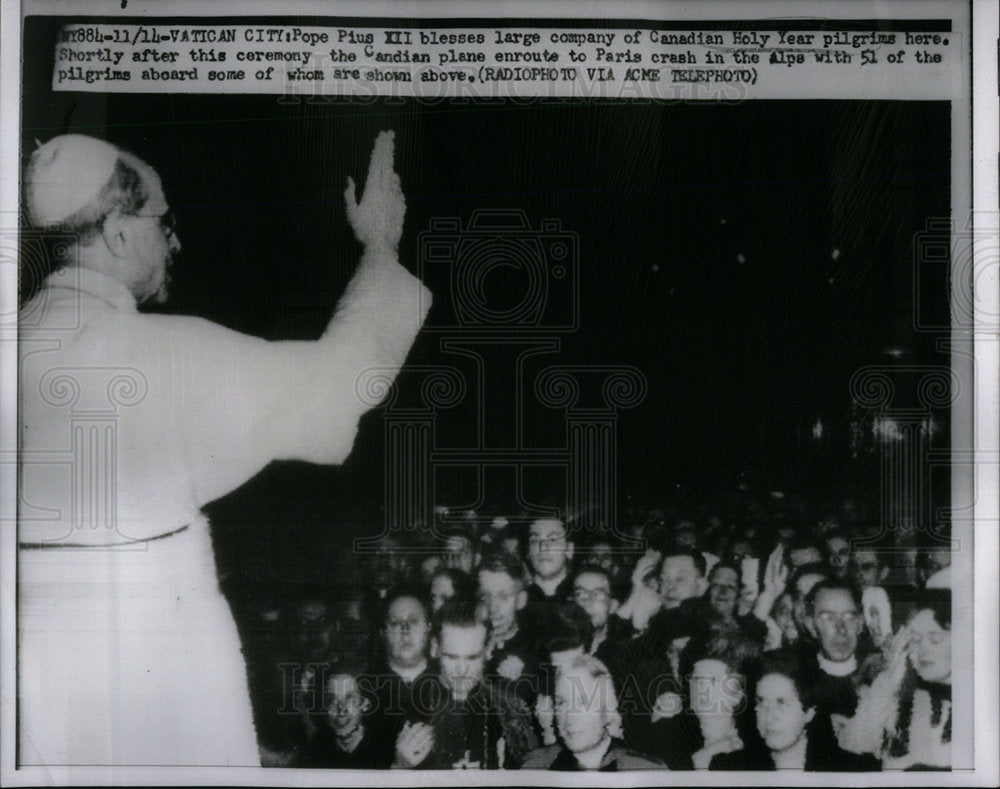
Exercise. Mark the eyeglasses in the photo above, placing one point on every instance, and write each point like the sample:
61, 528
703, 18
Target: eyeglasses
591, 596
404, 624
347, 704
502, 597
546, 542
168, 222
829, 619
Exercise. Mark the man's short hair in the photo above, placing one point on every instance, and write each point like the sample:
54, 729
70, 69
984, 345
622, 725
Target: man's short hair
399, 593
594, 569
726, 565
696, 556
461, 582
804, 540
504, 562
839, 533
813, 568
459, 613
569, 628
833, 585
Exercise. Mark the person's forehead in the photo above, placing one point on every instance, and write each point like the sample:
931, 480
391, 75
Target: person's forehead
341, 685
837, 542
679, 564
721, 574
924, 622
547, 528
457, 542
577, 682
457, 640
589, 581
773, 685
805, 584
441, 582
405, 607
490, 579
834, 599
710, 667
864, 555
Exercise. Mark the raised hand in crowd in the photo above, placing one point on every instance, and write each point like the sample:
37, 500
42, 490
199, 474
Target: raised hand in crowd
775, 579
643, 600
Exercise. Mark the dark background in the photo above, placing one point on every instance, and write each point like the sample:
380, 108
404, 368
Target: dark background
706, 237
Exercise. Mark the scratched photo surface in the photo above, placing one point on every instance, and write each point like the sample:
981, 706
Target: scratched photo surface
655, 327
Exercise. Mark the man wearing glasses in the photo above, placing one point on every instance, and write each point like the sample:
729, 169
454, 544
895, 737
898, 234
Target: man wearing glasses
592, 592
550, 552
130, 424
835, 620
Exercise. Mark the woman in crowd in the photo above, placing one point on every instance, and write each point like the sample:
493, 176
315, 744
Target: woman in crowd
905, 717
713, 719
784, 708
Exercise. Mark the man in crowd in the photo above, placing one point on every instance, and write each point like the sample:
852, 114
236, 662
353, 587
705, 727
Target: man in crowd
838, 552
836, 670
588, 722
345, 738
197, 410
681, 578
459, 548
403, 681
512, 652
802, 550
592, 592
868, 568
801, 584
550, 552
473, 726
653, 657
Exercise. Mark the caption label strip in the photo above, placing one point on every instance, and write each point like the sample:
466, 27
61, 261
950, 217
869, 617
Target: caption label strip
491, 62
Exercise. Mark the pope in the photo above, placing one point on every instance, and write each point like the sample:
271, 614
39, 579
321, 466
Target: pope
130, 423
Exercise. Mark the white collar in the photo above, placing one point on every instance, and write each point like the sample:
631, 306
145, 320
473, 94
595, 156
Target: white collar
835, 668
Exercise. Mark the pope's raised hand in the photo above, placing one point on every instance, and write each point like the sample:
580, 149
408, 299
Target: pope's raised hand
378, 218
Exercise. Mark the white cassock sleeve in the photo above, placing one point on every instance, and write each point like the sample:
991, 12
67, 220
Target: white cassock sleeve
240, 402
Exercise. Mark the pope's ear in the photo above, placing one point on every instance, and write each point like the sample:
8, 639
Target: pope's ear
114, 230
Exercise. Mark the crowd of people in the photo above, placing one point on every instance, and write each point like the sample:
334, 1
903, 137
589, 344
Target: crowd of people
672, 643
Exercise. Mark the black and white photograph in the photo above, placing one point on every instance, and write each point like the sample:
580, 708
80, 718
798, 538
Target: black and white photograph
473, 387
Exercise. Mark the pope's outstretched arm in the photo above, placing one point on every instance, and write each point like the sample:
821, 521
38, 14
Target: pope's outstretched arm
303, 400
